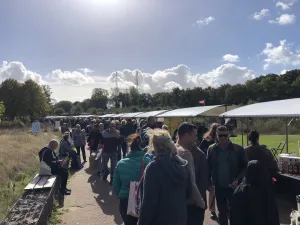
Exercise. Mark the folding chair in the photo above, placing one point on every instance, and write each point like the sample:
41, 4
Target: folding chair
278, 150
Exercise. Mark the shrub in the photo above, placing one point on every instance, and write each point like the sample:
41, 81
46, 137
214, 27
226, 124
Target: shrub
12, 124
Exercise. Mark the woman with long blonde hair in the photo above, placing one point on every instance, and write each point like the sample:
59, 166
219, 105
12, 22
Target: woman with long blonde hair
166, 185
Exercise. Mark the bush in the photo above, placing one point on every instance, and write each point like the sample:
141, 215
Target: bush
11, 124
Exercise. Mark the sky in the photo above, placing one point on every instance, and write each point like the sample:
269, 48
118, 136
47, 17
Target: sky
77, 45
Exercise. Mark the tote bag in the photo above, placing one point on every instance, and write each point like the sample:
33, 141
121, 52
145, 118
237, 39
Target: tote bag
134, 198
45, 170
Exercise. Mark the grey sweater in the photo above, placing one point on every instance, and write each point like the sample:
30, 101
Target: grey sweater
78, 138
196, 198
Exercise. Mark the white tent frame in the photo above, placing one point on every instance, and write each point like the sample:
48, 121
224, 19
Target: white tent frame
288, 109
151, 113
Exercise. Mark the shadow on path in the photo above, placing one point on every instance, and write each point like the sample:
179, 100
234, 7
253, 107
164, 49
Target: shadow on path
107, 201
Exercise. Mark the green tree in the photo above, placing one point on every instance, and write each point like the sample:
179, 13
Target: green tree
76, 110
34, 102
93, 111
65, 105
47, 92
11, 95
2, 108
59, 111
99, 98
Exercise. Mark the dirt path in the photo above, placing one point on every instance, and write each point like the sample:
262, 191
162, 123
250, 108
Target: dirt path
92, 202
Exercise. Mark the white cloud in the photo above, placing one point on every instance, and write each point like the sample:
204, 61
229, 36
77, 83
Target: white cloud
76, 86
280, 55
231, 58
86, 70
205, 21
181, 76
260, 15
284, 19
68, 77
283, 72
16, 70
286, 4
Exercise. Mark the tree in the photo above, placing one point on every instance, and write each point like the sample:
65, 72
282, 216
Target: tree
92, 111
99, 98
85, 104
59, 111
10, 95
76, 110
2, 108
65, 105
134, 95
47, 92
34, 102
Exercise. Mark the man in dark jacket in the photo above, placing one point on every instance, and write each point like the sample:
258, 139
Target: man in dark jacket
125, 131
110, 142
227, 163
48, 155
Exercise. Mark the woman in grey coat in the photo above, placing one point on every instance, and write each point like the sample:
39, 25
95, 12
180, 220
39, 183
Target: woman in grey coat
78, 137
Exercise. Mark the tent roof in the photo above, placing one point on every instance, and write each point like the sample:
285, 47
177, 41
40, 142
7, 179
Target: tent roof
107, 115
131, 115
280, 108
118, 115
188, 112
152, 113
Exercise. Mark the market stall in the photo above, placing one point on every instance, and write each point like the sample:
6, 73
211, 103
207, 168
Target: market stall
173, 118
289, 109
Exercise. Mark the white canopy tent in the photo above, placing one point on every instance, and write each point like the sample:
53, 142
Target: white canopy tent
118, 115
149, 114
131, 115
289, 109
188, 112
107, 115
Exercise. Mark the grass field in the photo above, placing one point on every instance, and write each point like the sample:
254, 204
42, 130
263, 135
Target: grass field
18, 163
272, 141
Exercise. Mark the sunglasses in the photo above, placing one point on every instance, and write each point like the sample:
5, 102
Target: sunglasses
223, 135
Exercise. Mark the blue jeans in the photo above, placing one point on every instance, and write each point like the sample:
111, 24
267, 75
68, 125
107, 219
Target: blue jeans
113, 162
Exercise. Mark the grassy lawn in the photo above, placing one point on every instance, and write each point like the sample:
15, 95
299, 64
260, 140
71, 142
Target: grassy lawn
18, 164
273, 141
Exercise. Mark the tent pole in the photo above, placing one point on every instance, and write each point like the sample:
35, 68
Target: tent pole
247, 130
287, 137
242, 133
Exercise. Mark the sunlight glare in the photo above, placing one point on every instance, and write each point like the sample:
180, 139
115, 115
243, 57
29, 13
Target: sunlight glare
105, 2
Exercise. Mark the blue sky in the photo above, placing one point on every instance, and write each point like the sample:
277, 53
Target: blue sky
44, 37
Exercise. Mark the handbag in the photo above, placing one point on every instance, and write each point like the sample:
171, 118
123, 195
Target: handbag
45, 170
134, 198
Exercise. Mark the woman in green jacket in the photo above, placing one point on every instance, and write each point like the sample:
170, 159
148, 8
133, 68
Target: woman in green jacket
127, 170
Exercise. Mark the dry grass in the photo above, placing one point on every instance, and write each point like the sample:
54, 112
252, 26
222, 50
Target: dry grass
18, 163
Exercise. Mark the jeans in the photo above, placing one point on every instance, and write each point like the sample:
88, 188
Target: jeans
128, 220
82, 150
223, 197
195, 215
63, 174
119, 152
124, 148
113, 162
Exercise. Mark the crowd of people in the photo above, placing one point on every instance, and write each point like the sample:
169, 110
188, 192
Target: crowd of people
175, 173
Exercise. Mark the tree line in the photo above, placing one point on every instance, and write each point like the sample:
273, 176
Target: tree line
261, 89
25, 101
33, 101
